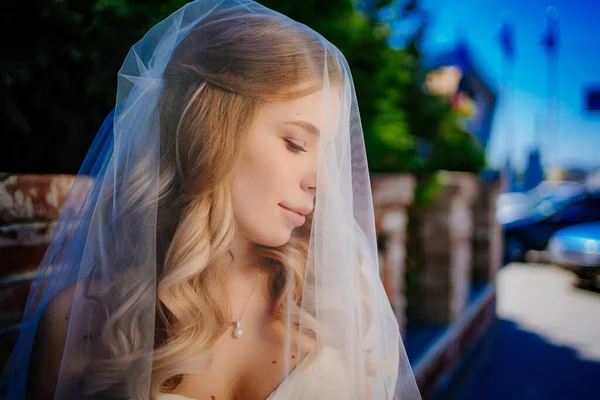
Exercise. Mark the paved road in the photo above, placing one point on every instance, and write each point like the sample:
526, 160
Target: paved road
546, 345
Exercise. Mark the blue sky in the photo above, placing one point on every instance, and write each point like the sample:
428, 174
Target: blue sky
578, 140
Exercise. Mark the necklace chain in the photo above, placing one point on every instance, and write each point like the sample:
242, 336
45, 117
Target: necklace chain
238, 332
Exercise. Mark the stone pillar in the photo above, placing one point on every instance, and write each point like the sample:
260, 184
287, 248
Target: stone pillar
392, 194
487, 235
445, 245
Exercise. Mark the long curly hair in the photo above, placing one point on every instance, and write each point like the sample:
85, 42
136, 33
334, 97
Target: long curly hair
218, 77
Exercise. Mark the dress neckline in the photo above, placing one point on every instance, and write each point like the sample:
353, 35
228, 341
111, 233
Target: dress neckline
294, 372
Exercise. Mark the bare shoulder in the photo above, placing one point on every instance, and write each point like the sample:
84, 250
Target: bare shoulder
48, 345
54, 320
58, 311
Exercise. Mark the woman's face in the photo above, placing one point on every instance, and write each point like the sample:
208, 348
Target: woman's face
274, 182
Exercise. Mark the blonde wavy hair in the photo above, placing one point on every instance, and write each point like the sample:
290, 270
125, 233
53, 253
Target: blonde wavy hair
217, 79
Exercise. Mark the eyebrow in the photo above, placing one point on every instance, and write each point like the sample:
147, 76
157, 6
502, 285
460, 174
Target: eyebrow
307, 126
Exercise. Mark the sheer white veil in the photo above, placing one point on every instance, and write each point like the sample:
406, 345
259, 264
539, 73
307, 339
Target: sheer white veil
99, 306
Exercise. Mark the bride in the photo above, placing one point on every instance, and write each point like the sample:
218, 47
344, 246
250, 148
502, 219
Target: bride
218, 242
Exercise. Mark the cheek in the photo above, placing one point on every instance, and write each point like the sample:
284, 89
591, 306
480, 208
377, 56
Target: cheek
260, 175
259, 185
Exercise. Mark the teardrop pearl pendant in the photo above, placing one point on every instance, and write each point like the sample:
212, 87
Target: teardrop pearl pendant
238, 332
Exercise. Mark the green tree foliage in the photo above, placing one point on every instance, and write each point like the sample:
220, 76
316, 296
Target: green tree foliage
59, 76
59, 81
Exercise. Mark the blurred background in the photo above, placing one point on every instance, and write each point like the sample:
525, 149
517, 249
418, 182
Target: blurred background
482, 124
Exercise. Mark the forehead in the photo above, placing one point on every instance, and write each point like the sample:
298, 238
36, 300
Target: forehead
321, 109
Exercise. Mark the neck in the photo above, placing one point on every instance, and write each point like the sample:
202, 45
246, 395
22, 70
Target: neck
243, 259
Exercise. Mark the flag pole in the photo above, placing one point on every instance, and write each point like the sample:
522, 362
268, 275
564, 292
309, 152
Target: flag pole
507, 42
550, 44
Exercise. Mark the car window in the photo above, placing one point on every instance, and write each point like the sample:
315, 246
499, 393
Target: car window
579, 211
573, 212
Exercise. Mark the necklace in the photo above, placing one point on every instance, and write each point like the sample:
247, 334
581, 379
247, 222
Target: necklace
237, 331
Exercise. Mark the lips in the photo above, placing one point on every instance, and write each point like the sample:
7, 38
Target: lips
296, 215
304, 211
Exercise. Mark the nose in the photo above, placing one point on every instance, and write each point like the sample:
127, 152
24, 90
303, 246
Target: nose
309, 185
308, 182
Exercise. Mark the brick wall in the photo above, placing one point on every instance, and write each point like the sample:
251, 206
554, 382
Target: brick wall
457, 235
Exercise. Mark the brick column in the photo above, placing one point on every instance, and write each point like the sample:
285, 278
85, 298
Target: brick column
392, 194
445, 245
487, 236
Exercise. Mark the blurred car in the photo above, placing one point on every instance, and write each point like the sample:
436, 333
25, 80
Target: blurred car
577, 248
592, 181
533, 229
514, 206
555, 190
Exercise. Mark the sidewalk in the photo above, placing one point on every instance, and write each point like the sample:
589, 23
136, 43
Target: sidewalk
546, 345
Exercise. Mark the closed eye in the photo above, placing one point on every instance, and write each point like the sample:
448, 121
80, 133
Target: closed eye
294, 147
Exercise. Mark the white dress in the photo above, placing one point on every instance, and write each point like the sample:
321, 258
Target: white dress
325, 375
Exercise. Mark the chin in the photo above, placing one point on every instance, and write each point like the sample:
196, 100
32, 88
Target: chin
275, 239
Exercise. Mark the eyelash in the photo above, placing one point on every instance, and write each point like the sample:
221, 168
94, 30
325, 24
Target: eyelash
294, 147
